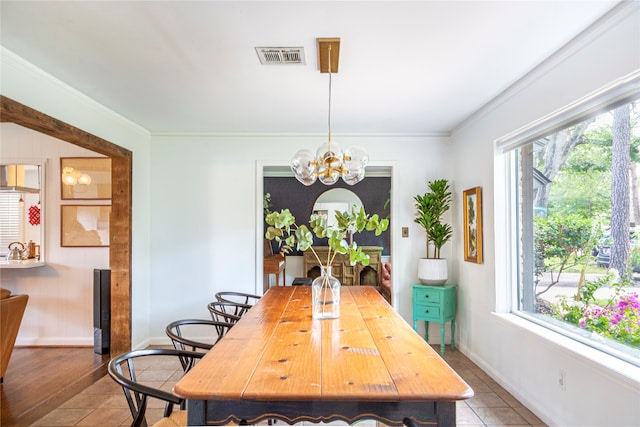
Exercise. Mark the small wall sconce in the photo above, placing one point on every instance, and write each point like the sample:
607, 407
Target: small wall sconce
71, 176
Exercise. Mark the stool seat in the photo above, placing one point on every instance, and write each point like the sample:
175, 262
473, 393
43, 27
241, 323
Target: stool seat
302, 281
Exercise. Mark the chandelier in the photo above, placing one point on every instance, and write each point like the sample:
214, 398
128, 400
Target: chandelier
71, 176
330, 163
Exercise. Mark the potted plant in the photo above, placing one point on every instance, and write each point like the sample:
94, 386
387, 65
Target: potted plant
289, 235
430, 207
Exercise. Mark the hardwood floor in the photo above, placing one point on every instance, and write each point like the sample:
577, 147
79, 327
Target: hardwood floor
39, 379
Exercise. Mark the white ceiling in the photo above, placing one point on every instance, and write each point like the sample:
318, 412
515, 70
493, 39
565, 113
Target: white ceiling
415, 67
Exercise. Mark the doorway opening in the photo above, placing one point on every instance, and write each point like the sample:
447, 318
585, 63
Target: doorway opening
281, 169
120, 220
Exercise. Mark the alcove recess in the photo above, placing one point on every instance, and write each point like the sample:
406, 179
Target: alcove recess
374, 192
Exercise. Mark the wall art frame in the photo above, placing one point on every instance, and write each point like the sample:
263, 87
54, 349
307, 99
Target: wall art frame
85, 178
472, 209
84, 225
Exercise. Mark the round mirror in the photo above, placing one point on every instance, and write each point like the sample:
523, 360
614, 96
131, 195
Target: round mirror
335, 200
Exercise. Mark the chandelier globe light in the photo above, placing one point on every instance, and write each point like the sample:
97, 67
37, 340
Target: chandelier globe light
330, 163
71, 176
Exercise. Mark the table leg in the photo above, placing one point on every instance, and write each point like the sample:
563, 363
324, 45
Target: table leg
426, 331
445, 416
442, 338
196, 415
453, 334
446, 413
284, 277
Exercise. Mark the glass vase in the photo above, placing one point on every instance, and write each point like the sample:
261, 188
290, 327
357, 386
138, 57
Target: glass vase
325, 294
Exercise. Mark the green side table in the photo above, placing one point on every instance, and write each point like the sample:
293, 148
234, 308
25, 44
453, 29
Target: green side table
435, 304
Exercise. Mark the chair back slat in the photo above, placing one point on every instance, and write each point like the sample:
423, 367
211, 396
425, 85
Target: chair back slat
178, 330
225, 311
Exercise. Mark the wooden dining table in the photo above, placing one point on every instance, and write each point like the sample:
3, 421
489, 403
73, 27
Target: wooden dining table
277, 363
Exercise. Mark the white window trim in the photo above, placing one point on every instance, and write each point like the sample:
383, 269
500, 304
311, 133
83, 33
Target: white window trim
625, 369
606, 98
507, 251
506, 246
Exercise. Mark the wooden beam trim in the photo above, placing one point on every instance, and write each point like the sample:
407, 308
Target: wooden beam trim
12, 111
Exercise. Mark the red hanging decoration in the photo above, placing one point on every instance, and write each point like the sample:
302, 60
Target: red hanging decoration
34, 215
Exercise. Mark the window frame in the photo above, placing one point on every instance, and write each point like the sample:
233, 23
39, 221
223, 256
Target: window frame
11, 229
507, 203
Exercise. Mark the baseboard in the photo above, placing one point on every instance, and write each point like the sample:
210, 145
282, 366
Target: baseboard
55, 342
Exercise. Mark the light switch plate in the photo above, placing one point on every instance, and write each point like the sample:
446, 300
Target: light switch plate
405, 231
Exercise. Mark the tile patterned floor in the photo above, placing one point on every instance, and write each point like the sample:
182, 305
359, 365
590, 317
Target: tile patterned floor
103, 403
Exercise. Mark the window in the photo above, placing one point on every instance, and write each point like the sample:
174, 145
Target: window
10, 213
575, 193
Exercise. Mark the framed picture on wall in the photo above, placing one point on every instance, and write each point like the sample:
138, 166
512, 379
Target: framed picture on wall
84, 225
85, 178
472, 207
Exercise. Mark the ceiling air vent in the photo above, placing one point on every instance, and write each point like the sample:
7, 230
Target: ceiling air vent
281, 55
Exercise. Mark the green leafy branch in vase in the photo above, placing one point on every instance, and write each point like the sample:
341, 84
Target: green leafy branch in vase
291, 236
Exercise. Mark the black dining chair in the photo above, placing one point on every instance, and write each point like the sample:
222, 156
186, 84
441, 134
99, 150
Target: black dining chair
124, 371
226, 311
237, 297
182, 332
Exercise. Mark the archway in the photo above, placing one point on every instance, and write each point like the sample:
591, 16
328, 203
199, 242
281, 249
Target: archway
120, 221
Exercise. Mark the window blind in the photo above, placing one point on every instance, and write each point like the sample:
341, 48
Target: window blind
9, 220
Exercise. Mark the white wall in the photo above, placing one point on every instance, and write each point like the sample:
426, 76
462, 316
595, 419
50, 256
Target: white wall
59, 311
206, 204
521, 359
24, 83
195, 227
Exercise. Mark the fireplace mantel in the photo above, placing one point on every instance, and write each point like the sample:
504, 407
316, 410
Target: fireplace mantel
349, 275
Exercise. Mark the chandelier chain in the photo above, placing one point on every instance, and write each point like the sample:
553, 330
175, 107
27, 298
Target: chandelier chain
329, 115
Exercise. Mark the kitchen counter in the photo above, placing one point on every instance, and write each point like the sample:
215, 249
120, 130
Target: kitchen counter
26, 263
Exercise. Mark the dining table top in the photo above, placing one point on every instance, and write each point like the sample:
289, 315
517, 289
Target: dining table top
278, 352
